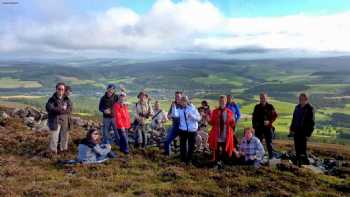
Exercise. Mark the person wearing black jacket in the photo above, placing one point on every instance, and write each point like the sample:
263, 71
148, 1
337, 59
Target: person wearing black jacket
106, 107
58, 108
302, 126
263, 117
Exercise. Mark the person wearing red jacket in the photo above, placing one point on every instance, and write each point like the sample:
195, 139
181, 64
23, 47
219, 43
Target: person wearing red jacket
221, 135
122, 120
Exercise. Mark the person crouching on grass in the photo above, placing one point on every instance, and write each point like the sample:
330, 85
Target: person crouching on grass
189, 118
122, 120
221, 135
92, 150
251, 149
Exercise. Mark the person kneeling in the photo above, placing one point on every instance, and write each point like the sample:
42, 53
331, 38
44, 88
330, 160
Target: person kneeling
91, 150
221, 135
251, 148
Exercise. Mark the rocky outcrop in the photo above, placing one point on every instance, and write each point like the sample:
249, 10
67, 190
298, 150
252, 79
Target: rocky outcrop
36, 119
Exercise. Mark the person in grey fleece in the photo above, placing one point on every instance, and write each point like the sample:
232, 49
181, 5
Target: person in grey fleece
91, 150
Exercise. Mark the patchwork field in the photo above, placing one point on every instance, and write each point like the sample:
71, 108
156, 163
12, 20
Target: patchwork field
326, 80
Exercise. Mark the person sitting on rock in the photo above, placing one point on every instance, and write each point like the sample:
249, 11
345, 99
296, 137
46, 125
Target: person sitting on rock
158, 120
202, 134
205, 112
251, 148
92, 150
202, 139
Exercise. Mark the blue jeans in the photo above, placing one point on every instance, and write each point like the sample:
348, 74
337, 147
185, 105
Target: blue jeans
173, 132
123, 141
109, 123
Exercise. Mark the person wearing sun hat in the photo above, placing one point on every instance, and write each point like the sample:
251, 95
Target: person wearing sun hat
143, 112
106, 107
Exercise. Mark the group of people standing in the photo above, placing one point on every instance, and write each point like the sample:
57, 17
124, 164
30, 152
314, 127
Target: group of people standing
188, 122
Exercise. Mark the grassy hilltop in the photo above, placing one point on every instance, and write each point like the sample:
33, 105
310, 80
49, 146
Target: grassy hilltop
25, 172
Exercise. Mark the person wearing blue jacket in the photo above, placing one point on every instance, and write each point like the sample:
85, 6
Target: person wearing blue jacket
189, 118
234, 107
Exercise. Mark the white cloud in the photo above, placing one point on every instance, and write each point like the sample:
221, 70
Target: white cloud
313, 33
171, 27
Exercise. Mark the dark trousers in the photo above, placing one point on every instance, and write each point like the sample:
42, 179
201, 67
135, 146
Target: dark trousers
220, 152
267, 133
123, 141
187, 142
300, 144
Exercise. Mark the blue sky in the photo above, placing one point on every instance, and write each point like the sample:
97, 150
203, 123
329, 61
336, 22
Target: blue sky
139, 28
232, 8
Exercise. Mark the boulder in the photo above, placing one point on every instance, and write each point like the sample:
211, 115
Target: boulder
29, 121
33, 112
314, 169
274, 162
78, 121
18, 113
4, 117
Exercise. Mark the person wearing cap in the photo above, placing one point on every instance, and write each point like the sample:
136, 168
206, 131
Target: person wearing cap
189, 118
106, 107
143, 112
122, 119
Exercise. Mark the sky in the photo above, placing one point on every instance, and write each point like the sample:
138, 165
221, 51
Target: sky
247, 29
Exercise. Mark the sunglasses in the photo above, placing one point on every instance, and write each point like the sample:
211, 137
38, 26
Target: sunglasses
95, 134
60, 89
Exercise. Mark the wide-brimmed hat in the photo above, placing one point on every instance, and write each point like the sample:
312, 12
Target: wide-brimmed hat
142, 93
